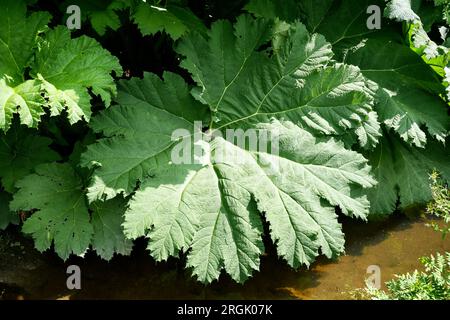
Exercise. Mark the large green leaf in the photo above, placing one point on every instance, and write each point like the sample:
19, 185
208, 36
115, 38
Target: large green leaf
340, 21
406, 83
18, 35
216, 200
212, 209
150, 111
69, 67
296, 83
63, 217
56, 191
408, 95
63, 70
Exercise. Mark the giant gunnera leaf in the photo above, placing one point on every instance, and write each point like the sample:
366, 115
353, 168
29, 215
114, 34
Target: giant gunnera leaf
199, 186
46, 69
408, 102
409, 96
408, 88
63, 216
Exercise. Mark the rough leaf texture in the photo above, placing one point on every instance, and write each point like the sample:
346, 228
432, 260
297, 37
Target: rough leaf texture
62, 69
64, 220
401, 10
402, 172
408, 100
406, 83
214, 208
295, 83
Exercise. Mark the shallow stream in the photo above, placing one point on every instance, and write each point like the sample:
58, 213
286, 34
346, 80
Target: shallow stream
394, 245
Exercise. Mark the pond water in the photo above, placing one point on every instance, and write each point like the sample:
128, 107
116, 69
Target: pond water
394, 245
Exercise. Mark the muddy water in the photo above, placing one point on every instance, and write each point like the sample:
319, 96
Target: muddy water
394, 245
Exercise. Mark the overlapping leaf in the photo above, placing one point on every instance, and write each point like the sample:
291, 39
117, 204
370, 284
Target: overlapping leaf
214, 207
408, 98
18, 36
151, 16
406, 83
173, 19
408, 101
296, 83
273, 76
21, 150
69, 67
432, 52
63, 217
63, 70
402, 172
102, 14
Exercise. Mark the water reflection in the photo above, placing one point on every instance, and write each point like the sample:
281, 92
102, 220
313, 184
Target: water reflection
394, 245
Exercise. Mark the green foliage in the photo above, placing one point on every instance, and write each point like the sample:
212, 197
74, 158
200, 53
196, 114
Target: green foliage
402, 171
102, 14
444, 5
7, 216
21, 149
431, 284
205, 207
349, 106
151, 17
63, 216
62, 70
408, 95
174, 19
434, 282
417, 27
440, 206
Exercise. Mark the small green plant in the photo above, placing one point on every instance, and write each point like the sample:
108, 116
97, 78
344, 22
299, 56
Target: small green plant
431, 284
434, 282
440, 206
